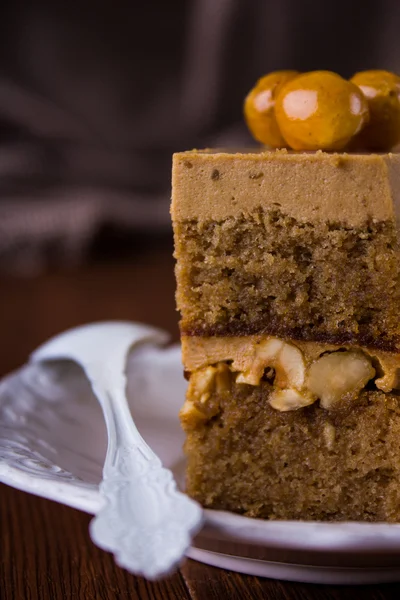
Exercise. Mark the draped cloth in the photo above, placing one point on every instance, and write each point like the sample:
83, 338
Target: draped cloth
95, 97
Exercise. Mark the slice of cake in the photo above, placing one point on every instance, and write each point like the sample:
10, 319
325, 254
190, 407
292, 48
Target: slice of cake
288, 284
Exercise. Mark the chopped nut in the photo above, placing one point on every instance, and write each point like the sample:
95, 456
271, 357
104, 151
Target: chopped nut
200, 406
204, 397
338, 376
265, 356
329, 433
201, 382
223, 378
289, 399
286, 359
205, 381
248, 377
388, 382
388, 371
290, 368
269, 348
191, 416
269, 374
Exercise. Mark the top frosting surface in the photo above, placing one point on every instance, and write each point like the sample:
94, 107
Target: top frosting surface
351, 189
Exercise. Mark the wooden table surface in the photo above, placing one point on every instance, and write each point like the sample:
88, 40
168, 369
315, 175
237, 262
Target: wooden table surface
45, 549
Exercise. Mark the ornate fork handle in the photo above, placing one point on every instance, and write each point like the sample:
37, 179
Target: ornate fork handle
146, 521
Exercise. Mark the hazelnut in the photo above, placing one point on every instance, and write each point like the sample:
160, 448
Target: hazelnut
259, 108
382, 92
320, 111
289, 399
338, 376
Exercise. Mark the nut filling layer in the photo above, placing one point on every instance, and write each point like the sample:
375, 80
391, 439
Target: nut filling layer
299, 377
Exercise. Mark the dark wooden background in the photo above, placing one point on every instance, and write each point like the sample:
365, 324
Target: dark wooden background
45, 549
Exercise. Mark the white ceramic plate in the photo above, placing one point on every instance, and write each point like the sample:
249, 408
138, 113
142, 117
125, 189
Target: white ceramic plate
53, 443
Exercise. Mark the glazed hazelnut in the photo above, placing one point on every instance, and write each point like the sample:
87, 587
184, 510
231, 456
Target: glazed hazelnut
382, 92
320, 111
259, 108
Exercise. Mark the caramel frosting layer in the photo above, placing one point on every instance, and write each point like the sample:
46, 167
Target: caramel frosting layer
246, 355
352, 189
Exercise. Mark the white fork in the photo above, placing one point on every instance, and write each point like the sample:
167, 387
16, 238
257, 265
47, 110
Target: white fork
145, 521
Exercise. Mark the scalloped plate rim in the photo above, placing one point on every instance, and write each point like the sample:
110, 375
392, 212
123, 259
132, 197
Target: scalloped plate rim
85, 496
